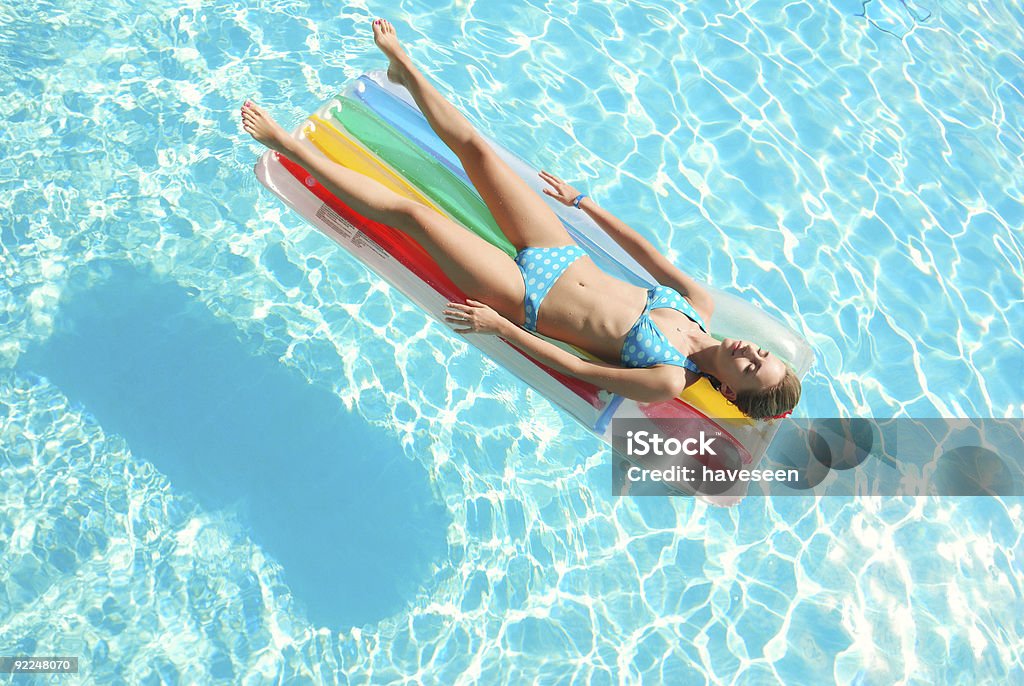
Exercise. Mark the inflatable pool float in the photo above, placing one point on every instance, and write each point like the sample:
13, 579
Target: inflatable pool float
374, 127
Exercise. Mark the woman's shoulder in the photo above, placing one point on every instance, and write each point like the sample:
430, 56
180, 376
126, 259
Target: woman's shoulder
703, 307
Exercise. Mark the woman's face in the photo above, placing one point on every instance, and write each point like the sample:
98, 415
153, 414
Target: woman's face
743, 366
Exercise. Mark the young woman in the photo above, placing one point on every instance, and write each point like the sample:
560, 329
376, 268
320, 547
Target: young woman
653, 342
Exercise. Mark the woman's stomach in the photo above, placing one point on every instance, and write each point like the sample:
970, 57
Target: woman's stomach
591, 309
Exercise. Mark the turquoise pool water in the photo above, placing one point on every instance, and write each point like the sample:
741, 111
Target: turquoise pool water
228, 454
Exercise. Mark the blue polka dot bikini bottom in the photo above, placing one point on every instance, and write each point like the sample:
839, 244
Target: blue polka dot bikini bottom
541, 267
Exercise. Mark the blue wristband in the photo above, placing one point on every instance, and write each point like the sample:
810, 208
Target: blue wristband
578, 200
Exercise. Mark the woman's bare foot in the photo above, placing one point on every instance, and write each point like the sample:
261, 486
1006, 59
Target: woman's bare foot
261, 126
386, 39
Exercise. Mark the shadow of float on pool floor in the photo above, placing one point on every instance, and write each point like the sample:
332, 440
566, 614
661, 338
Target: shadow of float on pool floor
350, 519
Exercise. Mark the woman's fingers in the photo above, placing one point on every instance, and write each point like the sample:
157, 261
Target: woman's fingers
562, 191
457, 313
465, 322
554, 181
474, 316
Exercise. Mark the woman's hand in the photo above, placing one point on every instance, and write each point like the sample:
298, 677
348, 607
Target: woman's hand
475, 316
563, 192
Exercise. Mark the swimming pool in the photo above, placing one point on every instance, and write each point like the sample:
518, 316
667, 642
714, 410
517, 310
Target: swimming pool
229, 453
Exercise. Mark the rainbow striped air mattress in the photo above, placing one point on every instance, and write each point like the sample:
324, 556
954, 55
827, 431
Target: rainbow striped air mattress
375, 128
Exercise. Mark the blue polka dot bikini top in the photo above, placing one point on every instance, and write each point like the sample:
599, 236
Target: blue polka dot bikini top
646, 345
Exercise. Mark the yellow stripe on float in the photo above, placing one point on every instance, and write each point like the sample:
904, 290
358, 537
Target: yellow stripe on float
340, 148
705, 398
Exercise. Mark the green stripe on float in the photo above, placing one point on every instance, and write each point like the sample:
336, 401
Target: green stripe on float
421, 170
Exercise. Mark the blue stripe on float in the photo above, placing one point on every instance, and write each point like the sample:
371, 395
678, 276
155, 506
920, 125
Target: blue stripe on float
607, 413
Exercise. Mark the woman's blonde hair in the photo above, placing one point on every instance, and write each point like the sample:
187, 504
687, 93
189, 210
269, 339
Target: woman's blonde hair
771, 403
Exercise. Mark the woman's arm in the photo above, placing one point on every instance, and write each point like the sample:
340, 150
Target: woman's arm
647, 385
638, 247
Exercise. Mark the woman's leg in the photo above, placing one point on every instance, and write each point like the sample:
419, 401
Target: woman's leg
480, 269
520, 212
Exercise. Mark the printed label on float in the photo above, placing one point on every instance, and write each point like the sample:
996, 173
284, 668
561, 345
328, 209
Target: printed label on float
345, 228
335, 221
